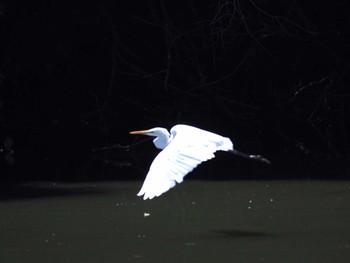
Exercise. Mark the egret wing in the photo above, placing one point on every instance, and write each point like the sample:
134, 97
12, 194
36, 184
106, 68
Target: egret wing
180, 157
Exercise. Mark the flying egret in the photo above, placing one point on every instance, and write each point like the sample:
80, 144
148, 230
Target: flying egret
184, 148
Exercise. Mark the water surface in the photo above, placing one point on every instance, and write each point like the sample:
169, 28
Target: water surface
198, 221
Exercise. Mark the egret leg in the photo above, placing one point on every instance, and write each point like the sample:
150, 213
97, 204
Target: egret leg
250, 156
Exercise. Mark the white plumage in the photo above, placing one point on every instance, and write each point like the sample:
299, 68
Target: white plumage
183, 150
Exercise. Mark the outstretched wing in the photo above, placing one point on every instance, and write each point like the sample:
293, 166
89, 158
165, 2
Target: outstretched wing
189, 148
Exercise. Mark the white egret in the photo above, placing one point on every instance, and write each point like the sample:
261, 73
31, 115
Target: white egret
184, 148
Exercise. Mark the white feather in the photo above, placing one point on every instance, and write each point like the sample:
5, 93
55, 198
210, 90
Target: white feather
188, 147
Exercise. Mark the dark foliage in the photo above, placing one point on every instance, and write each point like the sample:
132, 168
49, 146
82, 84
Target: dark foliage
76, 77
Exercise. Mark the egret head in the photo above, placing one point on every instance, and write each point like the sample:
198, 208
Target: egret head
162, 136
155, 132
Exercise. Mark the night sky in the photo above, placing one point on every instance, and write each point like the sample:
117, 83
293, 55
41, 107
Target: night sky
77, 76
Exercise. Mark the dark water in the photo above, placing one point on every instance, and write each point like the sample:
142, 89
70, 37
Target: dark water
199, 221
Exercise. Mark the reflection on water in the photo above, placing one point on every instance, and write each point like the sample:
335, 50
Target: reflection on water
198, 221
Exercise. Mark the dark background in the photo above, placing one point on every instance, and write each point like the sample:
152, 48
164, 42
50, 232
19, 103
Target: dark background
77, 76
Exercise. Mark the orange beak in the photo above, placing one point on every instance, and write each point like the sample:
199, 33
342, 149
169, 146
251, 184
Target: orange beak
139, 132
